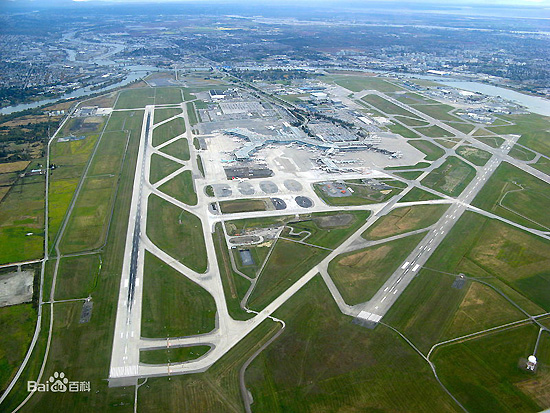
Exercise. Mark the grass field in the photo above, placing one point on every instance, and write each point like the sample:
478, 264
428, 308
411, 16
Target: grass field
177, 232
161, 167
325, 228
173, 305
234, 286
451, 177
359, 83
359, 274
163, 114
419, 165
172, 354
516, 195
447, 142
543, 165
362, 194
361, 370
484, 373
168, 95
405, 219
135, 98
431, 310
410, 121
200, 166
474, 155
403, 131
411, 98
534, 131
178, 149
216, 390
439, 112
191, 113
288, 262
462, 127
22, 213
417, 194
412, 175
388, 107
493, 141
168, 130
244, 205
17, 323
89, 218
433, 152
434, 131
514, 261
181, 188
77, 277
521, 153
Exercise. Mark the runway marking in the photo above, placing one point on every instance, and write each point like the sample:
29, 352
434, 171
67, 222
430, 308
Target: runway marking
405, 265
416, 267
383, 298
386, 289
395, 291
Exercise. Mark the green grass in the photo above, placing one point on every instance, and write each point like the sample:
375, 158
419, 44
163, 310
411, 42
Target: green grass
324, 363
527, 206
209, 190
359, 83
411, 122
484, 373
417, 194
191, 113
181, 188
173, 305
448, 142
161, 167
177, 232
521, 153
89, 218
492, 141
430, 310
474, 155
432, 151
360, 274
451, 177
440, 112
163, 114
168, 130
21, 213
362, 195
514, 261
462, 127
234, 286
168, 95
178, 149
434, 131
388, 107
135, 98
403, 131
77, 277
533, 128
543, 165
288, 262
419, 165
327, 236
411, 98
405, 219
216, 390
17, 323
200, 166
411, 175
243, 205
172, 354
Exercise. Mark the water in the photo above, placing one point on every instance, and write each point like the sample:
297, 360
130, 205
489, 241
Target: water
136, 72
533, 104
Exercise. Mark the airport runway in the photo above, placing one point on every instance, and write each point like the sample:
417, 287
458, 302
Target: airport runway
387, 295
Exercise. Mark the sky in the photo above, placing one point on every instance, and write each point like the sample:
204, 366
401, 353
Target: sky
309, 2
